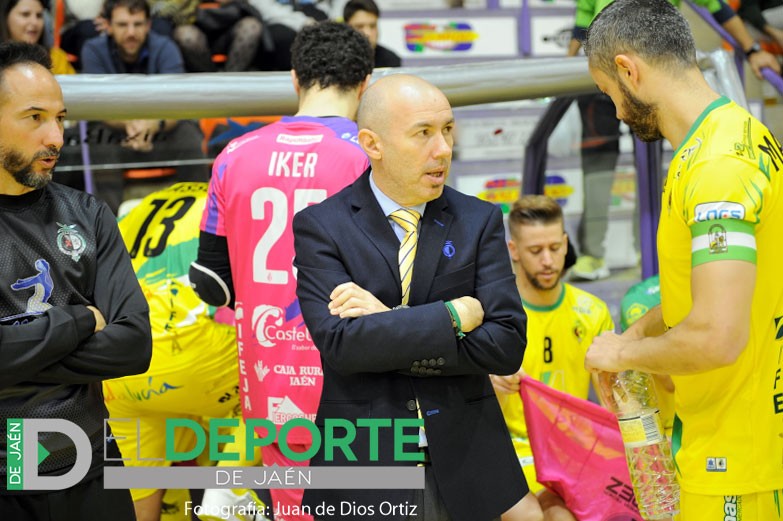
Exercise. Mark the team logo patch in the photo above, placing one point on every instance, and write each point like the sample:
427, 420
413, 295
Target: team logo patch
448, 249
70, 241
635, 312
716, 465
718, 239
718, 210
579, 330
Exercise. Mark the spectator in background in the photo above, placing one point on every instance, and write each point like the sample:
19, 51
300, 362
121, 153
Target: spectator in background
86, 19
130, 47
232, 28
766, 16
363, 16
283, 20
23, 21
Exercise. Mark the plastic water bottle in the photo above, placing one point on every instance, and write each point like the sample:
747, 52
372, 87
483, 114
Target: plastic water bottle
631, 396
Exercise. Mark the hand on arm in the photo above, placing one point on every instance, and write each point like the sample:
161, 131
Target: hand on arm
470, 312
123, 344
711, 336
139, 134
349, 300
508, 384
27, 349
100, 322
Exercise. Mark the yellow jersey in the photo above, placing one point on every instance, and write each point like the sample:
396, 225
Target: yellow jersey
162, 234
557, 339
722, 201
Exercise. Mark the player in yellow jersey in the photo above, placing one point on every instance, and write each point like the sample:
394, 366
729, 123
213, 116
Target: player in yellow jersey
562, 321
194, 372
719, 329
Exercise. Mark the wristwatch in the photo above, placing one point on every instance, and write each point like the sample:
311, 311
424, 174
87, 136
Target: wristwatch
756, 47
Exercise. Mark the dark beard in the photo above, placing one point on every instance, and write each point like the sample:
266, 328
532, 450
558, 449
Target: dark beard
22, 171
641, 117
534, 281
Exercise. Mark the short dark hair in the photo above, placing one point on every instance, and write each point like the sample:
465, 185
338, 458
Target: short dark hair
330, 54
539, 209
133, 6
17, 53
532, 209
354, 6
652, 29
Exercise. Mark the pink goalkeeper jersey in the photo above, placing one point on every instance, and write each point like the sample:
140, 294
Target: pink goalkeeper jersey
259, 182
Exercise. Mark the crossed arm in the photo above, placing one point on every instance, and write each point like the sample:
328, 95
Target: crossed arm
75, 344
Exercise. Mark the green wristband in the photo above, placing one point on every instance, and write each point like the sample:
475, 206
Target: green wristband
455, 321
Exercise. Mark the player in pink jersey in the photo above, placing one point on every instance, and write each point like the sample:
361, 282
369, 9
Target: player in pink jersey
246, 247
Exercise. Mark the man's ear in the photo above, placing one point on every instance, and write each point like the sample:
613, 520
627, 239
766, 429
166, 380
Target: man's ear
512, 250
295, 81
627, 70
371, 144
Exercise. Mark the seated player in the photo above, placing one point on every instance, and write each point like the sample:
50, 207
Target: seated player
562, 321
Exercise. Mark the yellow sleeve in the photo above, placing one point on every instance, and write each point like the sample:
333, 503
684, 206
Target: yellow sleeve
722, 203
60, 63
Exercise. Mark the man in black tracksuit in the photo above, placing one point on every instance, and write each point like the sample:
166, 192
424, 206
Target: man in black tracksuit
71, 311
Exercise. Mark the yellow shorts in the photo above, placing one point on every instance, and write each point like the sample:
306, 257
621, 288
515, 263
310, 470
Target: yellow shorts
192, 376
762, 506
525, 456
530, 476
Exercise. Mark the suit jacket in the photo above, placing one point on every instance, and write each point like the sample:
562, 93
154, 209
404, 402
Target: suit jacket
376, 366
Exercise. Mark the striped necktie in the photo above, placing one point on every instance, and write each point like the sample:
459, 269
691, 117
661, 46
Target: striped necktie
408, 221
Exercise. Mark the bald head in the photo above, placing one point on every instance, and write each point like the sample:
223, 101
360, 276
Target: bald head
406, 129
384, 98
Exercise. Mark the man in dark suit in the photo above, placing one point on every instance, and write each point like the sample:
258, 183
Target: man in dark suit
396, 345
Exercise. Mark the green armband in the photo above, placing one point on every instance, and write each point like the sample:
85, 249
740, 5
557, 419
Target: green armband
455, 321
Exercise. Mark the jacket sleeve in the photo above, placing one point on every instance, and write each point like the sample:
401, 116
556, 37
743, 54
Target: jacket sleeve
25, 350
91, 57
396, 340
170, 58
750, 11
124, 346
